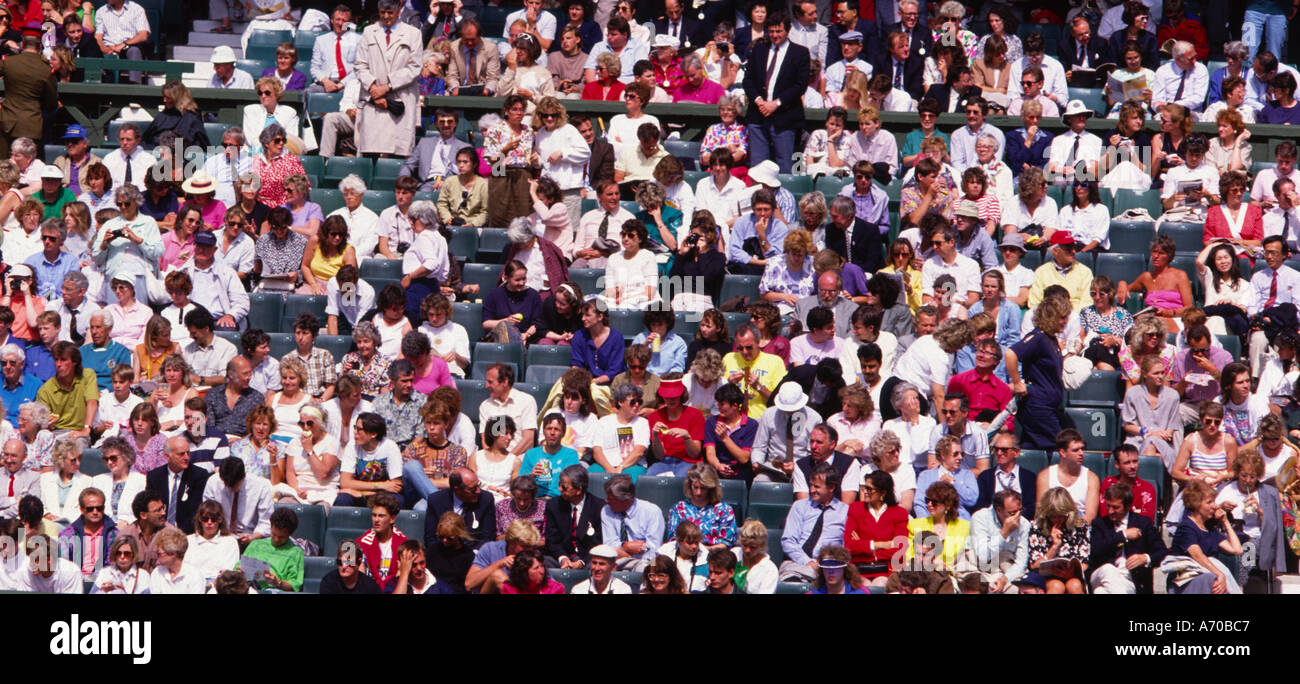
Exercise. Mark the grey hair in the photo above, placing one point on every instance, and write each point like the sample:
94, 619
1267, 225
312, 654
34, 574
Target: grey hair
576, 475
487, 121
388, 5
63, 448
900, 390
524, 483
12, 349
56, 225
883, 443
37, 412
252, 180
236, 132
128, 193
25, 147
732, 100
1236, 48
989, 138
952, 10
691, 60
78, 280
1183, 47
352, 182
620, 487
842, 205
520, 231
269, 133
651, 194
366, 329
103, 315
725, 28
908, 2
815, 202
425, 212
624, 392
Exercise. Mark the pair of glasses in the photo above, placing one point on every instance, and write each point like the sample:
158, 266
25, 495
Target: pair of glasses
125, 553
1210, 421
210, 519
123, 204
1003, 450
91, 509
927, 115
938, 243
1028, 83
267, 92
635, 401
550, 115
306, 423
278, 140
932, 502
111, 459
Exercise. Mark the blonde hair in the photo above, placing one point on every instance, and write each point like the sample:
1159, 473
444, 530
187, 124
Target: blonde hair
1057, 502
272, 83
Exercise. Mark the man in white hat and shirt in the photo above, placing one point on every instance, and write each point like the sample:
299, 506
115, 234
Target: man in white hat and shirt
1074, 146
850, 47
764, 175
224, 73
602, 579
783, 434
1182, 81
217, 287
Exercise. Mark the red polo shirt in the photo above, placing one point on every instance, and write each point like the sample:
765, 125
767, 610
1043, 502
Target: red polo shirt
984, 392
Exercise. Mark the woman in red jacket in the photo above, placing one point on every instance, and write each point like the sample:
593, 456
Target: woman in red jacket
876, 529
1240, 223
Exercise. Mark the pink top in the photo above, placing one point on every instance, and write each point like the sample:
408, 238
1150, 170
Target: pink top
554, 225
1165, 299
214, 215
172, 249
439, 376
551, 587
129, 324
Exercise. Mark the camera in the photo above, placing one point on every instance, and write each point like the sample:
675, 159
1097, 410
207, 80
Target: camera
724, 48
115, 234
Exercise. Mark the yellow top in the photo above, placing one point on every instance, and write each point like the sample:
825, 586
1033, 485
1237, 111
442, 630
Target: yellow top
954, 540
325, 268
913, 286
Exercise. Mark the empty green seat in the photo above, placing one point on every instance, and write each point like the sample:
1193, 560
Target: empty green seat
348, 518
493, 243
379, 271
1102, 388
265, 309
587, 279
295, 304
315, 568
496, 351
1098, 425
627, 321
769, 502
1032, 460
311, 523
92, 462
463, 243
486, 276
336, 168
1125, 267
739, 286
281, 343
337, 345
1131, 237
378, 200
472, 393
329, 199
1189, 237
663, 491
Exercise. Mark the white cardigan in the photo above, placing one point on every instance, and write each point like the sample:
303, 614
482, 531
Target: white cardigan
255, 121
70, 510
123, 514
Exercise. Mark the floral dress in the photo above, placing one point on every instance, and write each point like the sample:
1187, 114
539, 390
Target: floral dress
1133, 370
153, 455
971, 44
722, 135
273, 172
499, 135
777, 277
1074, 546
718, 522
374, 379
256, 461
1117, 322
944, 200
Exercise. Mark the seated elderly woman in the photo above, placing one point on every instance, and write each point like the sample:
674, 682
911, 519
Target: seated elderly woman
61, 488
1058, 543
268, 110
728, 133
1256, 508
790, 278
1205, 531
274, 165
33, 417
547, 267
172, 576
522, 504
307, 216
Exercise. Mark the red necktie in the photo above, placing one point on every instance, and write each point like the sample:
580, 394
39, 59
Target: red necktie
388, 36
338, 58
11, 485
1272, 296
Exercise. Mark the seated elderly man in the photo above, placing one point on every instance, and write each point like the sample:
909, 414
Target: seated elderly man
636, 525
18, 387
229, 404
16, 481
73, 307
217, 287
102, 353
1000, 535
491, 566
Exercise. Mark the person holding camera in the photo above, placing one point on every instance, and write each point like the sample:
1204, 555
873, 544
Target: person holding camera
699, 261
19, 295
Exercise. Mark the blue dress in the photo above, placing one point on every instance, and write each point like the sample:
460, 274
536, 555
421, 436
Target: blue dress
1041, 367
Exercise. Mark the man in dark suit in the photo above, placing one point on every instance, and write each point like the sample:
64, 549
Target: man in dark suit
444, 24
465, 497
1125, 546
847, 19
1006, 474
890, 12
853, 237
180, 484
775, 83
566, 542
904, 69
913, 25
601, 164
30, 92
434, 157
953, 94
687, 30
1082, 48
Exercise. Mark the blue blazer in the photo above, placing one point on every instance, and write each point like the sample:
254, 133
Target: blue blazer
1107, 545
789, 85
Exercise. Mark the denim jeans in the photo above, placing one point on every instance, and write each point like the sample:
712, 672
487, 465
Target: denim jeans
669, 466
416, 483
1268, 30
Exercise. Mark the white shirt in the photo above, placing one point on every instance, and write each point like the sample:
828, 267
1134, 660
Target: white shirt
187, 581
1089, 148
225, 172
519, 405
428, 250
1284, 222
254, 512
133, 581
1288, 280
569, 171
835, 74
615, 586
781, 51
617, 440
621, 133
1197, 84
209, 557
141, 164
1257, 90
924, 363
1113, 19
1018, 215
65, 580
323, 60
361, 300
20, 244
899, 101
723, 204
1014, 280
218, 289
1262, 188
238, 257
118, 26
1206, 173
804, 351
813, 37
632, 53
1053, 79
963, 268
116, 413
1087, 225
914, 440
211, 360
904, 478
65, 317
962, 142
362, 229
239, 80
266, 376
450, 337
1211, 114
395, 226
545, 23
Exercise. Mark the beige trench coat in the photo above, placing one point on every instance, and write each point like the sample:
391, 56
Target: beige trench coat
399, 62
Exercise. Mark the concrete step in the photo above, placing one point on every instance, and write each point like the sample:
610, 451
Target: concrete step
1290, 584
192, 53
237, 27
206, 39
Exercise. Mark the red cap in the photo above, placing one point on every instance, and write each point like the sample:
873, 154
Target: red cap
671, 388
1062, 237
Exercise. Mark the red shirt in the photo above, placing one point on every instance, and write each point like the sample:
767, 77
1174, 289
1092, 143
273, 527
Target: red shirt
984, 392
862, 528
691, 421
1144, 497
591, 91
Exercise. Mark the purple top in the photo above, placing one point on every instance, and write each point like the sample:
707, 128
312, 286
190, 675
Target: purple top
297, 81
309, 211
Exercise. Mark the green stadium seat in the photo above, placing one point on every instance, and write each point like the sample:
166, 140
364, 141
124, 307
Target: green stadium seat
265, 309
1187, 264
663, 491
281, 343
769, 502
830, 186
464, 242
214, 131
538, 391
692, 178
320, 104
627, 321
486, 276
348, 518
632, 207
491, 352
1099, 426
736, 493
468, 314
92, 462
590, 203
685, 324
295, 304
493, 19
472, 393
311, 523
329, 200
493, 243
53, 152
570, 578
1032, 259
1094, 98
1032, 460
544, 373
338, 167
313, 165
379, 271
738, 286
548, 355
587, 279
1117, 266
793, 587
1152, 469
334, 536
735, 319
1102, 388
1246, 269
1187, 236
386, 171
231, 336
1131, 237
1092, 460
797, 184
631, 579
1231, 344
774, 550
254, 66
688, 153
1057, 193
411, 523
1145, 199
337, 345
377, 200
315, 568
